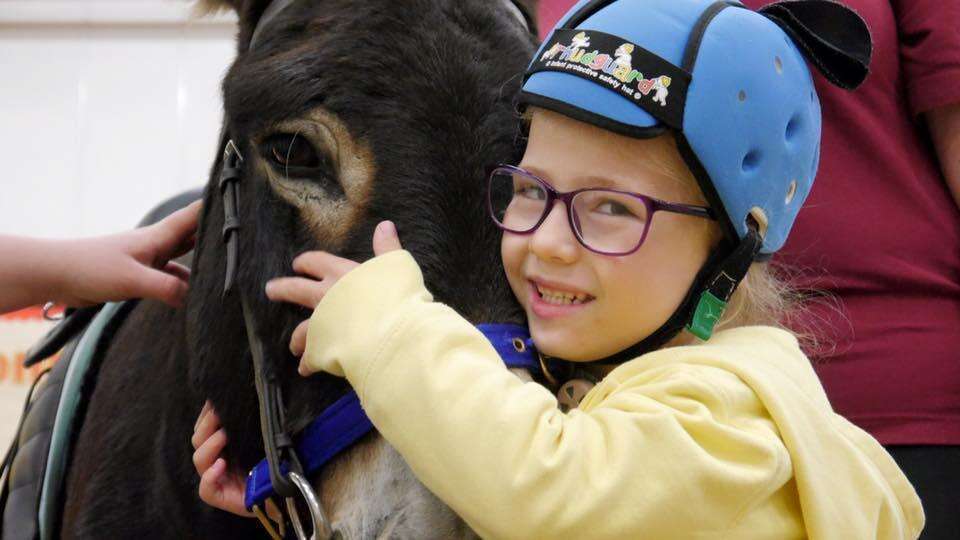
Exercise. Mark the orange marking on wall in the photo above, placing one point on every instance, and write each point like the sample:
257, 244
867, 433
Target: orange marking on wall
17, 372
34, 313
12, 370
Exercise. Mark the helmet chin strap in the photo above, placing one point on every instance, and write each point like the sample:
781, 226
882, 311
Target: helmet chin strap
706, 300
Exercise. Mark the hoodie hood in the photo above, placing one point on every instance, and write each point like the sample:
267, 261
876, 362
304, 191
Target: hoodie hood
848, 485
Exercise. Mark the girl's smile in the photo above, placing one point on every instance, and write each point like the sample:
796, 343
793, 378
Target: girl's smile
551, 299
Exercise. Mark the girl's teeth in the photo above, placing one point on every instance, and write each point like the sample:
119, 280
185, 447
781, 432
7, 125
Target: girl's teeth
561, 298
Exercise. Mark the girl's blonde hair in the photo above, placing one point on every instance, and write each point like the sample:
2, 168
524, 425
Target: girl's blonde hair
764, 296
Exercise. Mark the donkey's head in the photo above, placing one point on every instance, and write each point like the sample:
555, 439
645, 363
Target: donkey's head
347, 113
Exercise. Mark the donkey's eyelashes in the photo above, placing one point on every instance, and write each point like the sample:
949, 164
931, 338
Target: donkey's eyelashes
299, 165
291, 151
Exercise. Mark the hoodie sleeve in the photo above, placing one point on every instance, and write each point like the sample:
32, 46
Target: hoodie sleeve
651, 452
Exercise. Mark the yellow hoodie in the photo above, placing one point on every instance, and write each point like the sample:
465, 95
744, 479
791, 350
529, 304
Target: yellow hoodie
734, 438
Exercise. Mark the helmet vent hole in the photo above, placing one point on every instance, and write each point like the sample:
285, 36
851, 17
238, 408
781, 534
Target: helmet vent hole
751, 161
778, 64
791, 192
742, 96
793, 128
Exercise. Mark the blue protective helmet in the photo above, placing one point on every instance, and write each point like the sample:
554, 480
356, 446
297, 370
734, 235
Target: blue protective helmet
731, 83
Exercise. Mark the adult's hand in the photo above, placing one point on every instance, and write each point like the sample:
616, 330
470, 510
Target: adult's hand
132, 264
944, 124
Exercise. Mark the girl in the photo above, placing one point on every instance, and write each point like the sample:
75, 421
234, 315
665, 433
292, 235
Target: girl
628, 226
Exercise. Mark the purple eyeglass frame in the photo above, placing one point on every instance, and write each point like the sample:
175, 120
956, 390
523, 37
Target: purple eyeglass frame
652, 204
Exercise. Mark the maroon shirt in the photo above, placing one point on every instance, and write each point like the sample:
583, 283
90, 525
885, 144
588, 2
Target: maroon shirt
881, 232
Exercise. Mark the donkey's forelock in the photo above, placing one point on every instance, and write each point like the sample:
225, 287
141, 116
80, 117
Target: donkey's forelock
252, 9
211, 6
208, 7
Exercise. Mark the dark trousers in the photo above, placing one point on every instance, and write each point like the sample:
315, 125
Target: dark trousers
934, 472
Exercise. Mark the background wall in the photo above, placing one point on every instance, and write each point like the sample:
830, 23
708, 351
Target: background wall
106, 108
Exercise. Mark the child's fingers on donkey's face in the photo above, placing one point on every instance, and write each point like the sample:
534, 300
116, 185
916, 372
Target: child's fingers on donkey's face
209, 451
296, 290
321, 264
298, 341
207, 425
211, 488
221, 489
203, 412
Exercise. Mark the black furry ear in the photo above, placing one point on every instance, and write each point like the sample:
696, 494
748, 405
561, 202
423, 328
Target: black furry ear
529, 9
209, 7
832, 36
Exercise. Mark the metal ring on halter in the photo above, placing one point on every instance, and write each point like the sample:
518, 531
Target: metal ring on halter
321, 527
46, 312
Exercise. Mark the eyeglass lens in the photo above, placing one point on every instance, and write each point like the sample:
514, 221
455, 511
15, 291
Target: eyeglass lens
604, 220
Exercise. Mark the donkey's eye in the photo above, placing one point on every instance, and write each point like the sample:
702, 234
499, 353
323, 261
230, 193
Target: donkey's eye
287, 151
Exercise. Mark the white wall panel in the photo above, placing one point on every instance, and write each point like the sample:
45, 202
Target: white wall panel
39, 146
105, 109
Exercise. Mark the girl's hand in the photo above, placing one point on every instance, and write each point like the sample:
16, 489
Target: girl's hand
133, 264
219, 487
323, 271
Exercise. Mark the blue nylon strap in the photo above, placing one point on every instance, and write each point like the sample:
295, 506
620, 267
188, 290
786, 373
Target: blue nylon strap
344, 423
502, 337
338, 427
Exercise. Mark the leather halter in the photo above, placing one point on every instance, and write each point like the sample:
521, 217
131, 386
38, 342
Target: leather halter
276, 441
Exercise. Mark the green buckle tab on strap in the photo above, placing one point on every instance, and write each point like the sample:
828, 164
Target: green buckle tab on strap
707, 315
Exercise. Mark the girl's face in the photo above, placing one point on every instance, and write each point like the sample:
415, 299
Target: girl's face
628, 297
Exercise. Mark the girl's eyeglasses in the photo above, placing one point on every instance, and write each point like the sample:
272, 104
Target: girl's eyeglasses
605, 221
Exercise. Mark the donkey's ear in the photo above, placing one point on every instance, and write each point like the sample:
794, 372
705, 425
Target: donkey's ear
248, 12
209, 7
243, 8
530, 8
832, 36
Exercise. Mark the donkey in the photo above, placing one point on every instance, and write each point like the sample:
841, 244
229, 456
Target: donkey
345, 113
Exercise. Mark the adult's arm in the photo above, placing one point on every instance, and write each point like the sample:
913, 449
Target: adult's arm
930, 58
944, 124
28, 271
929, 47
132, 264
